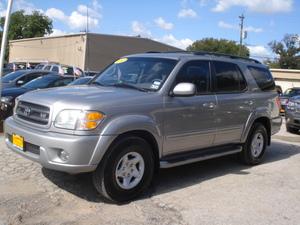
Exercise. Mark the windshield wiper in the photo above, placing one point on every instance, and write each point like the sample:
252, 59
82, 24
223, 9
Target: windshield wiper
125, 85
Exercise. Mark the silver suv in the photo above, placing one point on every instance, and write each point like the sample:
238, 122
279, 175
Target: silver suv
148, 111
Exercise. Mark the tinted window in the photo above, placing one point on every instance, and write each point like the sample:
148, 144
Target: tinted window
228, 78
196, 72
47, 68
263, 78
41, 82
62, 82
55, 69
291, 92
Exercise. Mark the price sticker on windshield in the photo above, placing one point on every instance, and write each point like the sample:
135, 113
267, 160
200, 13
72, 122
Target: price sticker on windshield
122, 60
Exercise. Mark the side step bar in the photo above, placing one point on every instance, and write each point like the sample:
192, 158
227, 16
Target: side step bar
199, 155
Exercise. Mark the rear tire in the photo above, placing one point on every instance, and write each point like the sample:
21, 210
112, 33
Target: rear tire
255, 146
291, 130
126, 170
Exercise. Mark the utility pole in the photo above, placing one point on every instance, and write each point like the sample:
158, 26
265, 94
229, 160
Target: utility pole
4, 41
242, 17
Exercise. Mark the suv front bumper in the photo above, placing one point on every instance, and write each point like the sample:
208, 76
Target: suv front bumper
46, 148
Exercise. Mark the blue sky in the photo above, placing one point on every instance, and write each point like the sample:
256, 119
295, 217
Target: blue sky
174, 22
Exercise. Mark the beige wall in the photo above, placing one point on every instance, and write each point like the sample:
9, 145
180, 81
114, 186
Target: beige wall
68, 50
286, 78
104, 49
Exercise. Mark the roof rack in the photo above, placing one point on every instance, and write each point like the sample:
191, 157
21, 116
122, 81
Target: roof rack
212, 54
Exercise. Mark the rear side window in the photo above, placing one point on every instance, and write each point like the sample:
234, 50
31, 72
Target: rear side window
228, 78
196, 72
55, 69
47, 68
263, 78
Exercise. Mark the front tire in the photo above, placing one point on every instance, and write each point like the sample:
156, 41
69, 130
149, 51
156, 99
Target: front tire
255, 146
126, 170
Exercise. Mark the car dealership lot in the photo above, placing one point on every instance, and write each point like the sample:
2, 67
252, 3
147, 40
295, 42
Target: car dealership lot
219, 191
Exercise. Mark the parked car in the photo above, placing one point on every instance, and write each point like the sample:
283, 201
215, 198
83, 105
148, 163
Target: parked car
21, 77
289, 93
8, 96
61, 69
81, 81
149, 111
292, 115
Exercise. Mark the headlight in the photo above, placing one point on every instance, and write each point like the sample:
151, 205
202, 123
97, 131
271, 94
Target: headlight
78, 119
291, 105
7, 99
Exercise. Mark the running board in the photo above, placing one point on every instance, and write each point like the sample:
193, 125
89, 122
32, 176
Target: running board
197, 156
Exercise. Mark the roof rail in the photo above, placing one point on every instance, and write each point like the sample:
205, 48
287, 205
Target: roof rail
212, 54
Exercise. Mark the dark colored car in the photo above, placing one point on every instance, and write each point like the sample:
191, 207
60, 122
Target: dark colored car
289, 93
292, 115
81, 81
21, 77
9, 95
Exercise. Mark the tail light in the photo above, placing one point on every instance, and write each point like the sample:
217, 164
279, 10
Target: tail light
278, 102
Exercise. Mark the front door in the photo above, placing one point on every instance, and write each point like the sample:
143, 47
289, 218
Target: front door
189, 122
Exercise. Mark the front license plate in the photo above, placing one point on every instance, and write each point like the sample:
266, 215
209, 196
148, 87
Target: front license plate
18, 141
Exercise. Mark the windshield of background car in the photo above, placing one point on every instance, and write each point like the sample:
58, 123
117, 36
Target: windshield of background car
291, 92
144, 73
41, 82
12, 76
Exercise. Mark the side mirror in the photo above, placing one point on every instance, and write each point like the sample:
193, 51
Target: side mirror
184, 90
20, 82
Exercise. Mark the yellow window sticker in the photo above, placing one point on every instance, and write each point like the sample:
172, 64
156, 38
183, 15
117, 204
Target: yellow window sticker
122, 60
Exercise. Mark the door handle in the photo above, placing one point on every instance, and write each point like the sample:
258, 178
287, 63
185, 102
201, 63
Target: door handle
209, 105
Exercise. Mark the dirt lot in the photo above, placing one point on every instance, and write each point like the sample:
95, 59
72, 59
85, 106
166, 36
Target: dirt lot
219, 191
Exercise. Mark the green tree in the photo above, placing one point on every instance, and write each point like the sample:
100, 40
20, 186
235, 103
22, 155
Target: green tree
288, 50
219, 46
28, 26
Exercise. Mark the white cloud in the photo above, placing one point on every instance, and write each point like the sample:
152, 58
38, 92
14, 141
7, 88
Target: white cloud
24, 5
259, 51
225, 25
179, 43
160, 22
57, 32
77, 20
139, 28
56, 14
187, 13
262, 6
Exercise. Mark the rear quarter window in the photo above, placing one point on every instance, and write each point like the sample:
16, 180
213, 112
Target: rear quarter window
263, 78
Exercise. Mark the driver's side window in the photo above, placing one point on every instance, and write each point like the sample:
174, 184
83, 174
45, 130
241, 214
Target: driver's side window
196, 72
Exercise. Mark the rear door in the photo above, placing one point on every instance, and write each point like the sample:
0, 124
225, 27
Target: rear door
189, 122
234, 103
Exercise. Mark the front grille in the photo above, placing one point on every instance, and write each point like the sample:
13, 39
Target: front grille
33, 113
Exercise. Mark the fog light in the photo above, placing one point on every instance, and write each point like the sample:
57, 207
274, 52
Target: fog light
63, 155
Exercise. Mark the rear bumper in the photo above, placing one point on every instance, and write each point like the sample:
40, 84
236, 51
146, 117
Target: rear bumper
276, 125
46, 147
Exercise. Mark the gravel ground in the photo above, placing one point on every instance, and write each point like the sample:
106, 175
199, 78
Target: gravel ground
219, 191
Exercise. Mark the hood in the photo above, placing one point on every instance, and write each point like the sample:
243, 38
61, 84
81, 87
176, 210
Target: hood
296, 99
8, 85
14, 92
83, 96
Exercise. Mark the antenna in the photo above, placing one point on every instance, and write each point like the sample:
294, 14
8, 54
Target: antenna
242, 17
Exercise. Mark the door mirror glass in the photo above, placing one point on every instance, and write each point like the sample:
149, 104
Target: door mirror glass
184, 90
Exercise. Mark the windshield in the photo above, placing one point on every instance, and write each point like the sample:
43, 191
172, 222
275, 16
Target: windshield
291, 92
141, 73
12, 76
41, 82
